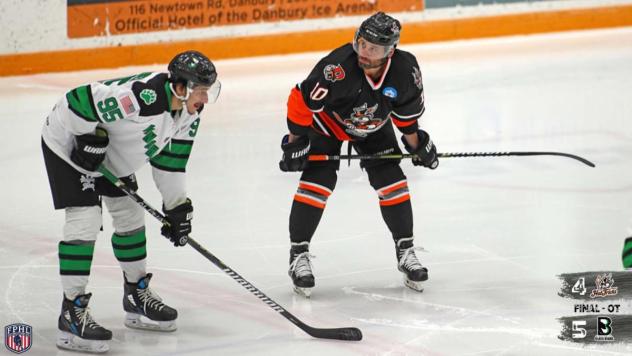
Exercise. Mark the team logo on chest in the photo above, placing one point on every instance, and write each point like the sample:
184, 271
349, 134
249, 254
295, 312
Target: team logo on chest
334, 73
87, 182
362, 120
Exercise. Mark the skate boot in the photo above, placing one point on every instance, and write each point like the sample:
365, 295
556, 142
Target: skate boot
301, 269
409, 265
145, 310
77, 330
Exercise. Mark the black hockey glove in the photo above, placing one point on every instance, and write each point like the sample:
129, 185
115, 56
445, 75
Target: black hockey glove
426, 151
295, 155
179, 226
90, 150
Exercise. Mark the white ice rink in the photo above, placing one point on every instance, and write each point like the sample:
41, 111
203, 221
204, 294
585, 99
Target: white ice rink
498, 230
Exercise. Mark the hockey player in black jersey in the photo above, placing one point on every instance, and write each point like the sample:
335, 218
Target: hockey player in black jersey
353, 94
123, 123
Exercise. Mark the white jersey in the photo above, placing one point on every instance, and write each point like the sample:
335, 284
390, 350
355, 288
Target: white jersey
136, 113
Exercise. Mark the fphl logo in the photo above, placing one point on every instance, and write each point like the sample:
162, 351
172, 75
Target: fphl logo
18, 338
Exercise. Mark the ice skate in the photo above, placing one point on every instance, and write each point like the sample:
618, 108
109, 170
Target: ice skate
78, 331
409, 265
145, 309
301, 269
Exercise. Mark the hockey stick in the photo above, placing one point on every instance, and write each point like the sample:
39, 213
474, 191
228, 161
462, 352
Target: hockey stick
449, 155
348, 334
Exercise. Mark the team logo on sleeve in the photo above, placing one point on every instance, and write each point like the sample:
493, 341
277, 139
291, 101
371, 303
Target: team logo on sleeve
417, 77
149, 96
18, 338
334, 73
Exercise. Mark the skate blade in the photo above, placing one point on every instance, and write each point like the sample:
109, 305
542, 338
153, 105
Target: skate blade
416, 286
136, 321
68, 341
304, 292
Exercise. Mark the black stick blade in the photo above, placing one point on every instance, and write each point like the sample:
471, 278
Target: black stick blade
345, 334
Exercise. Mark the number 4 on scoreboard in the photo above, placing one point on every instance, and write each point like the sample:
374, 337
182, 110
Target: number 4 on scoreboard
579, 286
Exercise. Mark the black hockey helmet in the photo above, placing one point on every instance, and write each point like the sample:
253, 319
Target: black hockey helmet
380, 29
192, 67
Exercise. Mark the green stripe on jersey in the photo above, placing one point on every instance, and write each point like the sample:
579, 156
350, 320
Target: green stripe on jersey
169, 162
168, 91
80, 102
179, 147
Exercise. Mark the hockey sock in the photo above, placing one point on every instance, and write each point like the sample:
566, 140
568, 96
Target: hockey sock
76, 250
391, 186
131, 252
314, 189
75, 260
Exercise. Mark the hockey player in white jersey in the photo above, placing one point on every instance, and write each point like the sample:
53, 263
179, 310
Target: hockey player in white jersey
122, 123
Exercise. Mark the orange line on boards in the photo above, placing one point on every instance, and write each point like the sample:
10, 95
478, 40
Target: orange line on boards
415, 32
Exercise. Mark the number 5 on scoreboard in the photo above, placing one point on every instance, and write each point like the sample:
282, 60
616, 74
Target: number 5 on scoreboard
578, 331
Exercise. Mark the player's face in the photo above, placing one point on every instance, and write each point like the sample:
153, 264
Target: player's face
197, 97
370, 55
201, 94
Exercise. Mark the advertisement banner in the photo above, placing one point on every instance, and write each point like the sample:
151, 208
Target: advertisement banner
89, 18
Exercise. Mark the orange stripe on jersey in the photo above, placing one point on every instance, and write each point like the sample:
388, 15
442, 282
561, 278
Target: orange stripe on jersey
297, 110
400, 123
331, 124
392, 188
395, 201
314, 188
309, 201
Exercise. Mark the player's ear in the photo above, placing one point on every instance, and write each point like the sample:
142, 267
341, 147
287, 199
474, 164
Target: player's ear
391, 52
181, 89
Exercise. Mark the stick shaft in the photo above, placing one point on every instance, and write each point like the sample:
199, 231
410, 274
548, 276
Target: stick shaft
351, 334
451, 155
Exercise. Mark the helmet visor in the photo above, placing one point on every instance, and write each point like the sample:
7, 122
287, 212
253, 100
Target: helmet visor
370, 50
212, 91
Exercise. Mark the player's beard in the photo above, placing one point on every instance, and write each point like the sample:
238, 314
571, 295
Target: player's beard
371, 64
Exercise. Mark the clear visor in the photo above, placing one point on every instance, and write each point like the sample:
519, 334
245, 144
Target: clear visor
370, 50
213, 91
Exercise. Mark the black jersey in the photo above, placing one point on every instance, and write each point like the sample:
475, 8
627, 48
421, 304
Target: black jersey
338, 100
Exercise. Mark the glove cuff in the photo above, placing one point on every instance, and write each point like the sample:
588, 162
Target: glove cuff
186, 206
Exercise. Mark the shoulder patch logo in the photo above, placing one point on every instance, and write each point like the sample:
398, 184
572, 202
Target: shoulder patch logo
417, 77
390, 92
127, 104
334, 72
149, 96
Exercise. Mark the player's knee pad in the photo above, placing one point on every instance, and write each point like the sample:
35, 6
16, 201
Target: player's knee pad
82, 223
127, 215
315, 186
